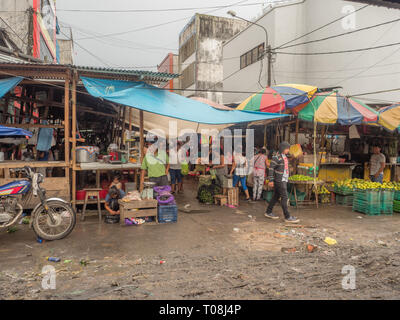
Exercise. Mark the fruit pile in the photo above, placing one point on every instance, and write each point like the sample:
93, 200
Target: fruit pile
300, 177
323, 190
359, 184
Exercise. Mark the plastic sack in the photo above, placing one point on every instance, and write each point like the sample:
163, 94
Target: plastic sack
185, 169
132, 196
295, 150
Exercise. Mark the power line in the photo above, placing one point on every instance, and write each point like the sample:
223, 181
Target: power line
155, 10
161, 24
13, 31
357, 74
337, 52
317, 29
341, 34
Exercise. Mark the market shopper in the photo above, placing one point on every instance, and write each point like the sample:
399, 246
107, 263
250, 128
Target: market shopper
377, 164
175, 169
156, 164
221, 169
260, 165
239, 168
278, 176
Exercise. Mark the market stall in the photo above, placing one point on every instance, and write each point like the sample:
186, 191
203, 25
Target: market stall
41, 98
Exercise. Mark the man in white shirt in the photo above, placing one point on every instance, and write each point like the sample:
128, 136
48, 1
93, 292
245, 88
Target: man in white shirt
377, 164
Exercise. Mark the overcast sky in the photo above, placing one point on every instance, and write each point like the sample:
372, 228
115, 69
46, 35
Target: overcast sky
131, 47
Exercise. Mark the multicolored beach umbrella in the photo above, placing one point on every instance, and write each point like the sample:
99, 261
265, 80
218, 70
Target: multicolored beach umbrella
331, 108
279, 99
389, 117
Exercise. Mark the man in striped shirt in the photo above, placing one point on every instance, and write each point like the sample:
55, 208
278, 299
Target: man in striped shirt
278, 176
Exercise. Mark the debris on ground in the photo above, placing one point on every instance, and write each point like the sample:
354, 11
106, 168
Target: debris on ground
236, 229
330, 241
311, 248
289, 250
83, 262
12, 229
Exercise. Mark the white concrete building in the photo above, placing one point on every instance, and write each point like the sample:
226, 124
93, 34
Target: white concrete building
357, 72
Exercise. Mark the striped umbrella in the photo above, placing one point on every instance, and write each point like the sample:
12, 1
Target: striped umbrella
331, 108
279, 99
389, 117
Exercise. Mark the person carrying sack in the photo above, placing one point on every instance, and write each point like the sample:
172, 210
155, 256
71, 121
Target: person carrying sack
278, 176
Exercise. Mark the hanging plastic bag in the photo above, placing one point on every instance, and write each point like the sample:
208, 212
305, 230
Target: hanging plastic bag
185, 169
295, 150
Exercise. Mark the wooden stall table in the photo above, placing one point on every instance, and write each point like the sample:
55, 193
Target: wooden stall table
99, 167
138, 209
307, 184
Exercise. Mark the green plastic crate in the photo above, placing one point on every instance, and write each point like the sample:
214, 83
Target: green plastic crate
372, 196
267, 195
300, 197
396, 205
344, 200
343, 191
397, 195
372, 209
387, 196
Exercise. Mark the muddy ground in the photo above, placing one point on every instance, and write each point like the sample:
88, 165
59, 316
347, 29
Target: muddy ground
221, 254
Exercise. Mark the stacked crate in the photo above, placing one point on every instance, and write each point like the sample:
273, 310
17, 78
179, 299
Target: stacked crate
396, 201
368, 202
387, 199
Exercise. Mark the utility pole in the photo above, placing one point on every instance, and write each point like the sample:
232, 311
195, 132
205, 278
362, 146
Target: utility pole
267, 46
269, 57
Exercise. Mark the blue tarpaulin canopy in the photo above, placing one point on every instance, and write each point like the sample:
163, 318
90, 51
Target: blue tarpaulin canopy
8, 84
151, 99
10, 131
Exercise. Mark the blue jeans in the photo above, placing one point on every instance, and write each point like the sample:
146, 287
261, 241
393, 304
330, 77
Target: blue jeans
176, 175
242, 181
379, 179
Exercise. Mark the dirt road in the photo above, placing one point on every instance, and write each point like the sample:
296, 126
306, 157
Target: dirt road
222, 254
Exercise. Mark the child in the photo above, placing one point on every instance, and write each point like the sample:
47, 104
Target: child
116, 182
112, 205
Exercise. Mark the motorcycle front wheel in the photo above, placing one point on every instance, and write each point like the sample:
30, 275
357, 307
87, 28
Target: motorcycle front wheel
63, 224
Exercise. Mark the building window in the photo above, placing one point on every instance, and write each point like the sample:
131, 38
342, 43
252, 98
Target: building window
251, 56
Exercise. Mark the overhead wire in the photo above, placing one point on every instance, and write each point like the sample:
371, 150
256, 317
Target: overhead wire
320, 28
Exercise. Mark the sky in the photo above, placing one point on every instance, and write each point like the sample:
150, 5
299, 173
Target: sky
115, 39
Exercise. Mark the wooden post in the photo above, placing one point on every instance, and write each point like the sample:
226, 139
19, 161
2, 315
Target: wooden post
74, 80
66, 130
130, 121
5, 109
297, 130
265, 136
141, 132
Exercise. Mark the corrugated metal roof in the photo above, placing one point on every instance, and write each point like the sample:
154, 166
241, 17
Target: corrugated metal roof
144, 75
395, 4
129, 72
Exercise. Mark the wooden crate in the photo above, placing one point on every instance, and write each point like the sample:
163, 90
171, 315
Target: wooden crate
220, 199
138, 209
233, 196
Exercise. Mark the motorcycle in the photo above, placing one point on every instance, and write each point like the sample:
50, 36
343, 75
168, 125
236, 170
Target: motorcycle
51, 219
